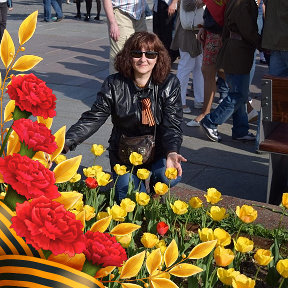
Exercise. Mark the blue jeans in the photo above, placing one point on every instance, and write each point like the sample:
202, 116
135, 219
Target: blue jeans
47, 9
279, 63
233, 105
222, 87
157, 175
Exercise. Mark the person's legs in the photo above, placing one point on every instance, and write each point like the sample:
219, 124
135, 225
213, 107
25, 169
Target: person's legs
198, 80
57, 9
47, 10
78, 7
185, 66
3, 18
88, 9
279, 63
98, 2
222, 87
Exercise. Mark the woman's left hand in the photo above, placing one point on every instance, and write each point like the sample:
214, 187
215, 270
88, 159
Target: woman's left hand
174, 160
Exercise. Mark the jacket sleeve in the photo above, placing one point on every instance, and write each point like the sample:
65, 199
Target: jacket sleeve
92, 120
170, 129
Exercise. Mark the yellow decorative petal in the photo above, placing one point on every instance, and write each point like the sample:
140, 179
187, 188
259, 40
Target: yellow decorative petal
101, 225
27, 28
103, 272
154, 260
47, 122
1, 178
67, 169
75, 262
124, 228
202, 250
10, 107
185, 270
161, 282
26, 62
60, 141
171, 253
130, 285
81, 216
69, 199
7, 49
132, 266
13, 145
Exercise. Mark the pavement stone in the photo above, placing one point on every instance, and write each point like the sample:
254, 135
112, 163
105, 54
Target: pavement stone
76, 58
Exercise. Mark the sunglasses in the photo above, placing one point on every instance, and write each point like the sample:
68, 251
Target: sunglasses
148, 54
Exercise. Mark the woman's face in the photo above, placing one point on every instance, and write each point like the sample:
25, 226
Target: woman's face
142, 63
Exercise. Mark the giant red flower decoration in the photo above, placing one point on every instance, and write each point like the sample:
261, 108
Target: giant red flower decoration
35, 135
47, 225
103, 249
32, 95
162, 228
28, 177
91, 183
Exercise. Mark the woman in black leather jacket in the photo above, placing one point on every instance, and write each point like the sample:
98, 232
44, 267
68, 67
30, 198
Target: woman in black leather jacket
144, 67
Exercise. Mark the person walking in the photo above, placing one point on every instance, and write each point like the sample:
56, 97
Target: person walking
125, 17
4, 5
47, 11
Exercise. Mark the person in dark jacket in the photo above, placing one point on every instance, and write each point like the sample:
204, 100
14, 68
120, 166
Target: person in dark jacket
144, 77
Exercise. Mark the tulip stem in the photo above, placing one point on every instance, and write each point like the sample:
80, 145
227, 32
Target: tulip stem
256, 275
281, 283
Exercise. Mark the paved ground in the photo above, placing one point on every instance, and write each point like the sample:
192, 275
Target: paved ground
76, 63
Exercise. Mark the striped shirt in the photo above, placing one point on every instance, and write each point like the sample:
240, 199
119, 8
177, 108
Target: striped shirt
135, 8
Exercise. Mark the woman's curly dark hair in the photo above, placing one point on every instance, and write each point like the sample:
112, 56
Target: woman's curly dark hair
147, 41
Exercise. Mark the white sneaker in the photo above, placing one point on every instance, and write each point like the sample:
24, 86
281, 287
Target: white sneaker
193, 123
186, 110
149, 17
252, 115
198, 105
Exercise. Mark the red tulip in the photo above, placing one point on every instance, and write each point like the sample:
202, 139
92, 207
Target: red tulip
91, 183
162, 228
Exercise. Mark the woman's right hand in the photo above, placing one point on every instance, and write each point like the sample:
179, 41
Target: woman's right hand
201, 35
114, 31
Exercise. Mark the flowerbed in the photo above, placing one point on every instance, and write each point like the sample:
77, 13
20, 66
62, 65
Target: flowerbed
63, 231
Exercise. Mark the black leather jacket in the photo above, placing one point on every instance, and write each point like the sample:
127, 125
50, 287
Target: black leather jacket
121, 98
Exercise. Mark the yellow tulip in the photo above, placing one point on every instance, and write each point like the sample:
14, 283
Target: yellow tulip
117, 213
103, 178
282, 268
171, 173
285, 200
142, 198
162, 245
160, 188
92, 171
223, 257
206, 234
179, 207
217, 213
195, 202
75, 178
128, 204
60, 158
243, 245
124, 240
226, 276
102, 215
242, 281
136, 159
89, 212
120, 169
246, 213
149, 240
263, 257
213, 196
223, 238
97, 150
143, 174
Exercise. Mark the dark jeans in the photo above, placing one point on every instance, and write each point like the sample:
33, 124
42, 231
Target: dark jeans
47, 9
3, 18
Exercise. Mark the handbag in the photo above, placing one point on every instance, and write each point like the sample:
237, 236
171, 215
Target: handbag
144, 144
191, 20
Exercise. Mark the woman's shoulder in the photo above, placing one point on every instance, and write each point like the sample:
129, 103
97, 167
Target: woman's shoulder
171, 81
116, 80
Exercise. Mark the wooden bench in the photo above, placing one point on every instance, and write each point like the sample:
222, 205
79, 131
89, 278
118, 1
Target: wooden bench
274, 134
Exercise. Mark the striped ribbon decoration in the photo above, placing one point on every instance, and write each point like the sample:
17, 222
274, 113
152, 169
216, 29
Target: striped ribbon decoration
23, 266
147, 116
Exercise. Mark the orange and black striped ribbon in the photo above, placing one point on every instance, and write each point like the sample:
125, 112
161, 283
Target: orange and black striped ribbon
147, 116
32, 272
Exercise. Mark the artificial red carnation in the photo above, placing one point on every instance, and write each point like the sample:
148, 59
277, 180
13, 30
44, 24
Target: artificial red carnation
103, 249
162, 228
91, 183
28, 177
47, 225
32, 95
35, 135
